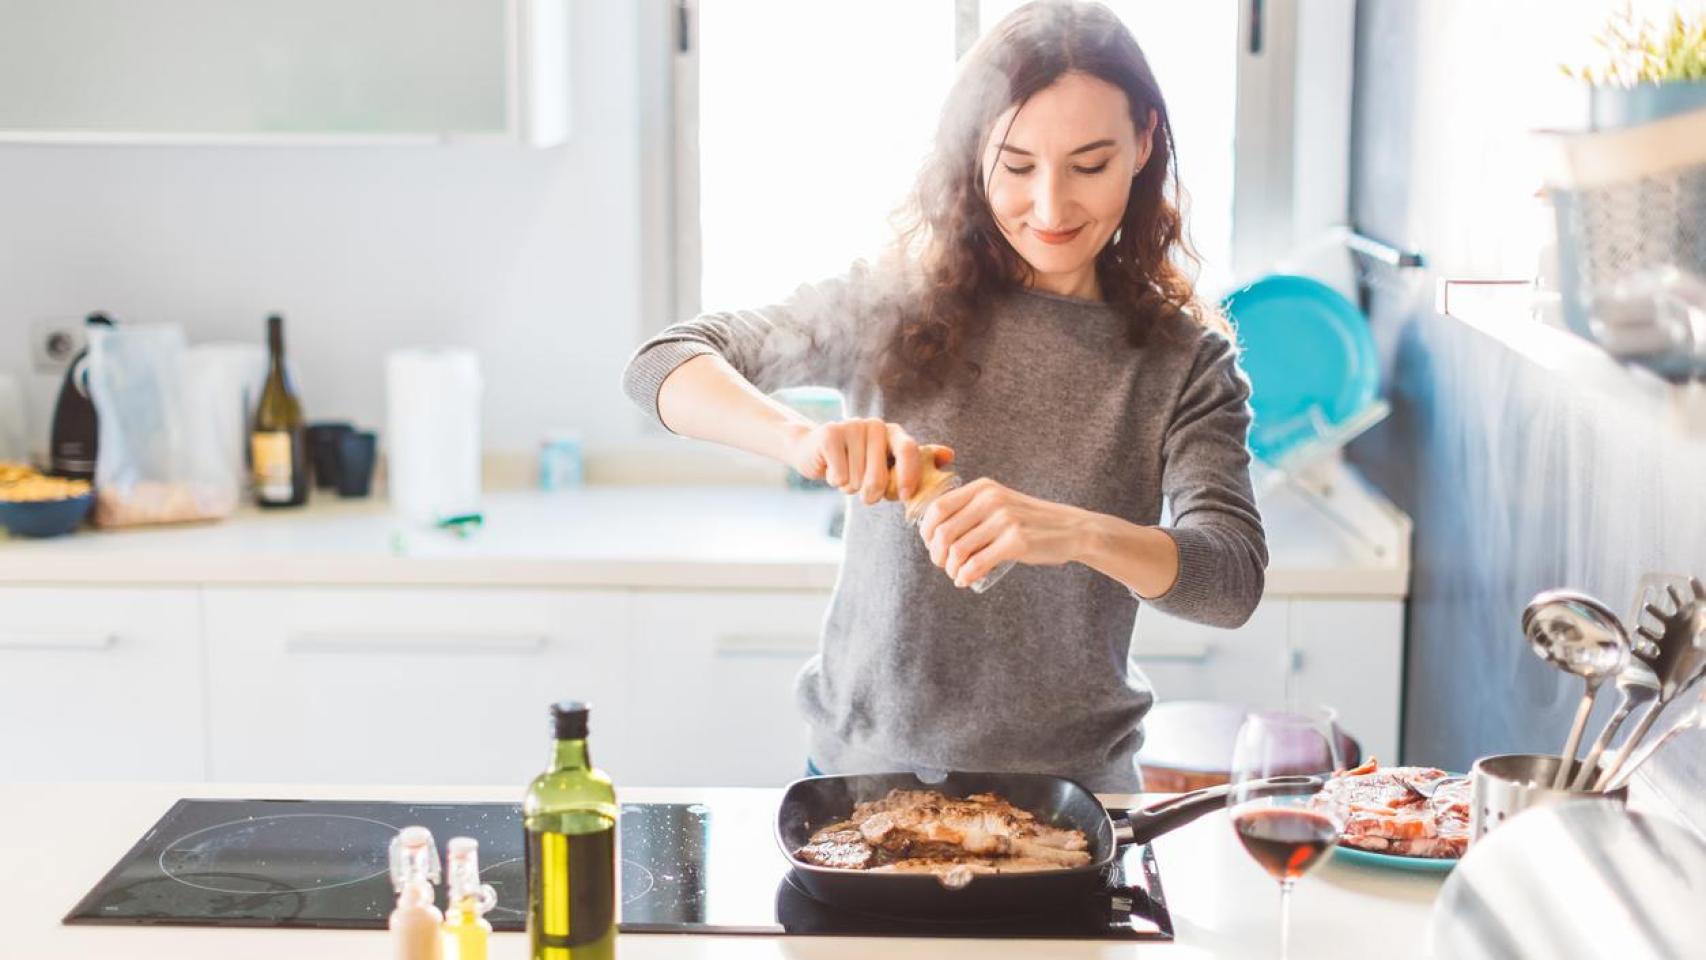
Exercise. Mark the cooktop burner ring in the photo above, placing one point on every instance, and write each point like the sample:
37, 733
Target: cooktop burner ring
629, 894
197, 861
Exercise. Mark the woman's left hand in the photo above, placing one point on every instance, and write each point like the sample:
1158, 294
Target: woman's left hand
976, 528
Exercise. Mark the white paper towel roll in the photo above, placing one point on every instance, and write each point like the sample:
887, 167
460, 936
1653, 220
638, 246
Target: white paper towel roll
432, 442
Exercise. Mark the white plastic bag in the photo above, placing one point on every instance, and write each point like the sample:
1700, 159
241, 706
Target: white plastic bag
160, 455
226, 381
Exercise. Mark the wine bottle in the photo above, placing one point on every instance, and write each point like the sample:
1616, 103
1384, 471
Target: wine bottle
278, 443
569, 815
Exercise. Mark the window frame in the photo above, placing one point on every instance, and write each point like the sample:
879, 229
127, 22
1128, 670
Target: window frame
1291, 163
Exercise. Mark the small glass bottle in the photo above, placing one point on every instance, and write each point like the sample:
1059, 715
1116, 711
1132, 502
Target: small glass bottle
932, 485
570, 816
466, 930
415, 923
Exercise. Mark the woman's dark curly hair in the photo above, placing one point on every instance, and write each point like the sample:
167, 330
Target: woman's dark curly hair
950, 237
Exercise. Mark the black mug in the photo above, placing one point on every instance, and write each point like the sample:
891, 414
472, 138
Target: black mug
323, 454
357, 451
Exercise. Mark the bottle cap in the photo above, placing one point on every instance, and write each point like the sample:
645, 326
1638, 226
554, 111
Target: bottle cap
568, 719
462, 875
414, 857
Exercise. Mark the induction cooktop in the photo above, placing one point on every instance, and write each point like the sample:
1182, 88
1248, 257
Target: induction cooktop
686, 868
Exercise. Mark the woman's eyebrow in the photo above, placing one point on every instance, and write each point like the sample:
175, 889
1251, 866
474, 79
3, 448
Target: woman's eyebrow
1099, 144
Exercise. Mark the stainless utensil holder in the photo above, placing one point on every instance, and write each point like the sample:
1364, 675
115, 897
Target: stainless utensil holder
1503, 786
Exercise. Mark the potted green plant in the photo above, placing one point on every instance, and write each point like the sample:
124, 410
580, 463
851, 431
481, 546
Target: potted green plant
1650, 71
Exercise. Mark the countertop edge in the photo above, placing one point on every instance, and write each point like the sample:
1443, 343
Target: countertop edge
312, 571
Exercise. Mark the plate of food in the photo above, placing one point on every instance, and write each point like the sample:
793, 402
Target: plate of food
1403, 818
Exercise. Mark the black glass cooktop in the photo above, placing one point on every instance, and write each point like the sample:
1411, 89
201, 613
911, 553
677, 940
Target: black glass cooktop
686, 868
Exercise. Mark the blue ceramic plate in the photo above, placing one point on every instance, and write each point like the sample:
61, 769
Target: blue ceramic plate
1310, 358
1394, 862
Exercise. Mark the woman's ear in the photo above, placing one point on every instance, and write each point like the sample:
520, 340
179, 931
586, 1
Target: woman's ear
1146, 141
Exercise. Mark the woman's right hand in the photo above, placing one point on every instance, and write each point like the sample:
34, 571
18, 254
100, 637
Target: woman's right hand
856, 457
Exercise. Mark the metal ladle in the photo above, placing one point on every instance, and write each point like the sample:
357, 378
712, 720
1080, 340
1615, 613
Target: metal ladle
1579, 635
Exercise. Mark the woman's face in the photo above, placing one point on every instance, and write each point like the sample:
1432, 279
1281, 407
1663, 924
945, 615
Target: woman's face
1058, 185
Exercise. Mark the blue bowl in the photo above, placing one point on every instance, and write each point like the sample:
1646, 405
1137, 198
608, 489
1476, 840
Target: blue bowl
44, 518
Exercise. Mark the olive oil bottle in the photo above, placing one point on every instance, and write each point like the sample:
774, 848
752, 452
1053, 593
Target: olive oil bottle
570, 816
278, 447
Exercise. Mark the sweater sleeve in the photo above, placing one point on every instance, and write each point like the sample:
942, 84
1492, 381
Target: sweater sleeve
818, 336
1223, 553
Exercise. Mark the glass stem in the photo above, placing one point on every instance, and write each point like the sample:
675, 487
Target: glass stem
1285, 918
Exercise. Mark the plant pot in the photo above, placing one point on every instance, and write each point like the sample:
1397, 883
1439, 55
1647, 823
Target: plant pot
1612, 107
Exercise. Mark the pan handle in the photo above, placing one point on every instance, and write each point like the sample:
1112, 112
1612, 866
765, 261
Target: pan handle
1145, 824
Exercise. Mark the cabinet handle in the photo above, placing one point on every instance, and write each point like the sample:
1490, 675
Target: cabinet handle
1185, 652
411, 643
761, 645
48, 641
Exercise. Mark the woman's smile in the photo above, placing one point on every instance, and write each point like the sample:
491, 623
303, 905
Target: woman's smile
1057, 236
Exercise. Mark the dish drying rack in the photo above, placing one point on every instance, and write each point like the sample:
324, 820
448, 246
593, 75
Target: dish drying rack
1631, 218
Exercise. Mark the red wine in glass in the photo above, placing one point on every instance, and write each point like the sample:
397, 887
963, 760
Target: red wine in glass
1286, 841
1280, 828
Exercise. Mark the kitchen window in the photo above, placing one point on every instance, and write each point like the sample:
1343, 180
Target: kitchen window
798, 128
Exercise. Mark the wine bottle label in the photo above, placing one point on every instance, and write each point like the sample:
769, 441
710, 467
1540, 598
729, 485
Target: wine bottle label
270, 452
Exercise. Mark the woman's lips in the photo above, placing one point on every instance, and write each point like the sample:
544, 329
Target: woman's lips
1057, 237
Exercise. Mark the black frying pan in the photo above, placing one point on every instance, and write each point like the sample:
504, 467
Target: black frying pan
813, 803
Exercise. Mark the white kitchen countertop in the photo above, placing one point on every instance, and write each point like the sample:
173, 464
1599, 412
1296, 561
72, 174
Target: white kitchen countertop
62, 838
637, 537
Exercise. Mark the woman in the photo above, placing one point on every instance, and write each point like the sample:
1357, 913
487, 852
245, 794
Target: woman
1034, 321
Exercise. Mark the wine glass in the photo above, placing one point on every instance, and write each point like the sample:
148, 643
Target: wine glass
1277, 824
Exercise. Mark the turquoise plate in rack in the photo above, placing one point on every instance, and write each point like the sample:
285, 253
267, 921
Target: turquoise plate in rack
1310, 358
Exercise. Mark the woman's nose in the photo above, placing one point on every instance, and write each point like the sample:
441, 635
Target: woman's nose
1048, 201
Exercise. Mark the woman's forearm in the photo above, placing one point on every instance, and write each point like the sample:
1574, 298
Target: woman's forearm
1145, 559
707, 399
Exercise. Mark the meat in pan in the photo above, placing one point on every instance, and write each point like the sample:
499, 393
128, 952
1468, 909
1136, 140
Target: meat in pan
910, 831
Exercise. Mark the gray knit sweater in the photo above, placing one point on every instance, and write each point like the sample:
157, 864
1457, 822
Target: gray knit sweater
1033, 675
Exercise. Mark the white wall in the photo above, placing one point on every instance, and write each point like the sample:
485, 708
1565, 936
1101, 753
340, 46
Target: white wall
531, 256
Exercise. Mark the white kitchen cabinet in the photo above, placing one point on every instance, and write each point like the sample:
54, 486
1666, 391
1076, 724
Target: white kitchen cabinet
1350, 654
1292, 653
258, 71
101, 684
1189, 661
712, 686
408, 685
